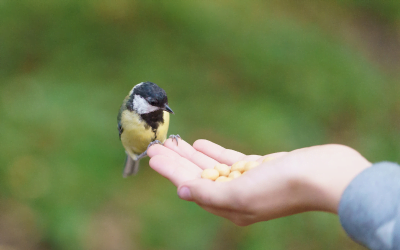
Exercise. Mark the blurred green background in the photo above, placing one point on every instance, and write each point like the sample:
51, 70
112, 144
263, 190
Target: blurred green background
255, 76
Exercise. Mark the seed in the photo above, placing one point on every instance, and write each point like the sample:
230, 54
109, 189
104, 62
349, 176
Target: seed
223, 179
210, 173
250, 165
223, 169
238, 166
234, 174
268, 158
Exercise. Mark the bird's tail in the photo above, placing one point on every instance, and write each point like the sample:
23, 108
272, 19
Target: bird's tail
131, 166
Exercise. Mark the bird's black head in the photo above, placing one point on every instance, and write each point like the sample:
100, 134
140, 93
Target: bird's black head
153, 94
147, 97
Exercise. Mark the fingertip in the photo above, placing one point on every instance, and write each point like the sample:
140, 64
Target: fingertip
204, 191
154, 150
182, 147
200, 143
195, 184
184, 193
172, 143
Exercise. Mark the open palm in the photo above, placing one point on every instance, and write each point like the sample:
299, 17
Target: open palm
182, 164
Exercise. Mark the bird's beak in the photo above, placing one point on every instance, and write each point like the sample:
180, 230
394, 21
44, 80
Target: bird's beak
168, 109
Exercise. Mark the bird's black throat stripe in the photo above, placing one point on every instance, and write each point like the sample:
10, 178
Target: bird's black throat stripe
153, 120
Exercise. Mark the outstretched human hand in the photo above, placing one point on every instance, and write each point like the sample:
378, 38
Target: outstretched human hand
303, 180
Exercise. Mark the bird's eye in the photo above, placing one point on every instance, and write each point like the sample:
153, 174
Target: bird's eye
151, 101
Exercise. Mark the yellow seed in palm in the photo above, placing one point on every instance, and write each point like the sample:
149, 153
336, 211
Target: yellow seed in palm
268, 158
210, 174
238, 166
222, 179
250, 165
223, 169
234, 174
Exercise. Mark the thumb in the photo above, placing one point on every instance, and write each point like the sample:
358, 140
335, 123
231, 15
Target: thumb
206, 192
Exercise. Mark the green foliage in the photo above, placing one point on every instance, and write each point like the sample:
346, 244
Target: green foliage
236, 73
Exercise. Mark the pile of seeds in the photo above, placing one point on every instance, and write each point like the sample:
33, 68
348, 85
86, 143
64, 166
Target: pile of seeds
222, 172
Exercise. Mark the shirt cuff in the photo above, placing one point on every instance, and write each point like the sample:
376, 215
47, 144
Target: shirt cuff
369, 209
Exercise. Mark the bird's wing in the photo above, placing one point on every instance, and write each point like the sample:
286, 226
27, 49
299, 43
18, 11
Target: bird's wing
121, 109
120, 129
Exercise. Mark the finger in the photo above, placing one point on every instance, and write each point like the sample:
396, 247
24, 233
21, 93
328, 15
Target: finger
158, 149
272, 156
218, 152
208, 193
177, 171
251, 158
161, 150
185, 150
262, 158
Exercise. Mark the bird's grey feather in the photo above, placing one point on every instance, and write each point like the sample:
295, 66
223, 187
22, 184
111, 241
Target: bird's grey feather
131, 167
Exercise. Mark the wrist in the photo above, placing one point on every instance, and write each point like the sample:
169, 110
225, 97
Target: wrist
325, 181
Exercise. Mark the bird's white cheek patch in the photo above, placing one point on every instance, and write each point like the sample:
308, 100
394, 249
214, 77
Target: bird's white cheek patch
142, 106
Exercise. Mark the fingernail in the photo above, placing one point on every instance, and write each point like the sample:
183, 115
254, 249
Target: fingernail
184, 193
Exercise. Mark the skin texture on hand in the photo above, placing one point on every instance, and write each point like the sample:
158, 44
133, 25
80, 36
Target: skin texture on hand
303, 180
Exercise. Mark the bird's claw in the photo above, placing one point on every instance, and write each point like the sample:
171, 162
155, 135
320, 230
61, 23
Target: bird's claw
144, 154
154, 142
175, 137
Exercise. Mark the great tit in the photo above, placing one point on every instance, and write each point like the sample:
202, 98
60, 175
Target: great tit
143, 120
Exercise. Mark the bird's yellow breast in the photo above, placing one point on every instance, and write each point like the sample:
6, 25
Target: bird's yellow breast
136, 136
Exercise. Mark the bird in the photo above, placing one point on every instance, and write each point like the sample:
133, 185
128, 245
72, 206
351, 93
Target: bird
143, 120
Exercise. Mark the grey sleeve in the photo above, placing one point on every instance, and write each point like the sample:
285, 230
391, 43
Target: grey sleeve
369, 209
